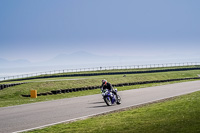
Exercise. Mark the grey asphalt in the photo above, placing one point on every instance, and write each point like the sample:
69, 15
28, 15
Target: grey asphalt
37, 115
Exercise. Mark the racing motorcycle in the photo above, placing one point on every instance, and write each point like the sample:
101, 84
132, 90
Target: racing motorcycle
111, 98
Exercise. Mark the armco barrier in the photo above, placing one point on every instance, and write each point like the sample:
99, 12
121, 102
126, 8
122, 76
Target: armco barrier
114, 85
111, 73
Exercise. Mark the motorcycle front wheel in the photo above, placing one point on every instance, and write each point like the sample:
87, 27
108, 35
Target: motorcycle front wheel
108, 101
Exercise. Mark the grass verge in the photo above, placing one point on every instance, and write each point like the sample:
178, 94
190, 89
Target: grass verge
12, 95
16, 99
46, 76
180, 114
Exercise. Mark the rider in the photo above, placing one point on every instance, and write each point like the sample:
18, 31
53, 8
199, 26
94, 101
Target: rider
107, 85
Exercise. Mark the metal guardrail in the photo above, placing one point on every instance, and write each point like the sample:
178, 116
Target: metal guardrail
99, 69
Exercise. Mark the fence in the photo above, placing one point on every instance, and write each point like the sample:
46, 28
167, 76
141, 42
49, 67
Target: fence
99, 69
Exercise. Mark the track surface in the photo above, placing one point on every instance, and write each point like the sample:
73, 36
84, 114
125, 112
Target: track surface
37, 115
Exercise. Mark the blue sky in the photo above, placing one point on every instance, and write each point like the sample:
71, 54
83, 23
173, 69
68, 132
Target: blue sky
38, 30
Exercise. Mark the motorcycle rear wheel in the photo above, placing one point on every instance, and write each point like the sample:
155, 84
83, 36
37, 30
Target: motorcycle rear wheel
118, 99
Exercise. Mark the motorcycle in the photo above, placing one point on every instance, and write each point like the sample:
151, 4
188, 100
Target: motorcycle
111, 98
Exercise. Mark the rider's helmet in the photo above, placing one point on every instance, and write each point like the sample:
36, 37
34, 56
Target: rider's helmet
104, 81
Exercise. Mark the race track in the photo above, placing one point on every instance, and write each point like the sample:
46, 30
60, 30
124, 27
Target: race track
37, 115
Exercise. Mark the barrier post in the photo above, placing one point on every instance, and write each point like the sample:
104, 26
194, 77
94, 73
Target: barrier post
33, 93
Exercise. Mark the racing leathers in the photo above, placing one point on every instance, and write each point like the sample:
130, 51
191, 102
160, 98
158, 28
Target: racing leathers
108, 86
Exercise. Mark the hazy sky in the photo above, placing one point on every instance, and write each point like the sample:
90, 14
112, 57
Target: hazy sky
38, 30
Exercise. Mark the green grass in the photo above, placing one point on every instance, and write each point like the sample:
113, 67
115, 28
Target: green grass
90, 72
12, 95
178, 115
11, 99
